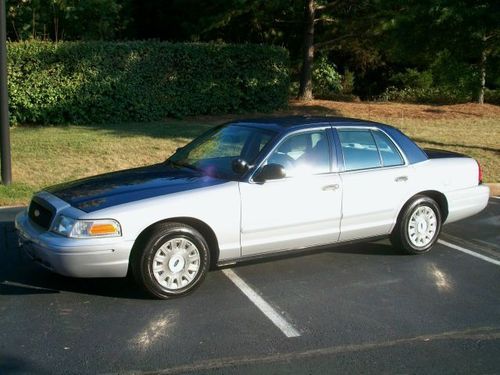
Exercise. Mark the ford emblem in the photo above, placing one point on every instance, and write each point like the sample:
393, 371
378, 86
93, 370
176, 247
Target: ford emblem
36, 213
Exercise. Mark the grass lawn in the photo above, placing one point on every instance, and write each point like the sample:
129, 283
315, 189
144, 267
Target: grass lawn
44, 156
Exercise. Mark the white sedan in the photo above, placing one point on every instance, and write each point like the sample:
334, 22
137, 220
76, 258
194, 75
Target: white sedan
248, 189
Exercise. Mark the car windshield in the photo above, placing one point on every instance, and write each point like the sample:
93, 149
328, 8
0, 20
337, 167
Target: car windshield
213, 152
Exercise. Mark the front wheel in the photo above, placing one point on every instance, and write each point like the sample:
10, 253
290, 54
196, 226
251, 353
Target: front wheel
171, 260
418, 226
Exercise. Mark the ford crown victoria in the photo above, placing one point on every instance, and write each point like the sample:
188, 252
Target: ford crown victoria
247, 189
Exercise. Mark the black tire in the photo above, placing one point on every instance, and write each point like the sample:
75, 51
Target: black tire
144, 252
400, 236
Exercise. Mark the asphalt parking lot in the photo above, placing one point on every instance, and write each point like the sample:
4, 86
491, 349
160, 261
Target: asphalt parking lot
360, 308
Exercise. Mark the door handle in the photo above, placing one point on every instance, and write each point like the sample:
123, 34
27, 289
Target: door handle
330, 187
401, 179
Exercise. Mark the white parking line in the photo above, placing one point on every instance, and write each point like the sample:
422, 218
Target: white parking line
470, 252
262, 305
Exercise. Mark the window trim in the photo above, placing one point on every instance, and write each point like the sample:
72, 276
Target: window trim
331, 157
380, 154
371, 129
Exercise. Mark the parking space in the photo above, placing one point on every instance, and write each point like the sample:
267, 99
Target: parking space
357, 308
480, 233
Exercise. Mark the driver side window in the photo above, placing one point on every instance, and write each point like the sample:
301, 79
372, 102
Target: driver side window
303, 154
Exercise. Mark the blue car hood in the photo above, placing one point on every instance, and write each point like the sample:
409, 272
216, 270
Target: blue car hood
111, 189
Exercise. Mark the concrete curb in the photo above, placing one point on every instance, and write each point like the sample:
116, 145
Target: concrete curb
15, 206
494, 189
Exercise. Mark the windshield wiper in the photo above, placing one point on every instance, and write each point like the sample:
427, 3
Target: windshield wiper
182, 164
213, 173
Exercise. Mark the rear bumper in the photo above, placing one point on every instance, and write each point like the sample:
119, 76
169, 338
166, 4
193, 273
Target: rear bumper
73, 257
466, 202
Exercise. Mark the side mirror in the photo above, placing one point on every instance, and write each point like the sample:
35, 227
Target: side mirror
270, 172
239, 166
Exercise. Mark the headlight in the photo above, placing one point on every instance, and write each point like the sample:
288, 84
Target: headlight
69, 227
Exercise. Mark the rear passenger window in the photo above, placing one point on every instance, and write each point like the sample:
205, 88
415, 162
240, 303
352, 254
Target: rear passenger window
359, 149
388, 151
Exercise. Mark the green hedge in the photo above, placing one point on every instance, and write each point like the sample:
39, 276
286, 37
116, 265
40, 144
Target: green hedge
87, 82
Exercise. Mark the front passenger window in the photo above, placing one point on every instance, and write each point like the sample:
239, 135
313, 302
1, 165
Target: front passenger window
303, 154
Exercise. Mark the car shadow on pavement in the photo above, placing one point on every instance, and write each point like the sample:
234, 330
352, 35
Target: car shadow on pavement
15, 365
19, 275
380, 248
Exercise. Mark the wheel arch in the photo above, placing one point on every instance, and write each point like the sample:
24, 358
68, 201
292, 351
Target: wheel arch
206, 231
439, 197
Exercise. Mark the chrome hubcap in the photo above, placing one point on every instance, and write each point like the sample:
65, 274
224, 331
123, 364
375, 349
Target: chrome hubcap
422, 226
176, 263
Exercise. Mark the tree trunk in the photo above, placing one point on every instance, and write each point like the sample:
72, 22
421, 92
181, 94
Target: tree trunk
56, 28
33, 35
306, 87
482, 75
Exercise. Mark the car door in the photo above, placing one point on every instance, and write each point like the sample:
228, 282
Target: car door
375, 182
304, 208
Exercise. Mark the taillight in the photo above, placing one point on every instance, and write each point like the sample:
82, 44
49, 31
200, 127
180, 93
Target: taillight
480, 173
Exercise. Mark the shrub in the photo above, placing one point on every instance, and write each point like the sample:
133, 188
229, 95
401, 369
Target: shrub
431, 95
86, 82
341, 97
412, 79
347, 83
448, 80
326, 80
451, 73
293, 89
492, 96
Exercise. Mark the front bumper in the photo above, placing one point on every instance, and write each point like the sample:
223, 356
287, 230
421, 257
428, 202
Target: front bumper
93, 257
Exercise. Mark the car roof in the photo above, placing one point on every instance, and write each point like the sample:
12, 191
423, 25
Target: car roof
284, 125
294, 122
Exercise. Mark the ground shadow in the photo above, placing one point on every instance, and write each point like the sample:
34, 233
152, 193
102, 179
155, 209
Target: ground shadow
191, 127
434, 110
19, 275
443, 144
15, 365
168, 129
311, 110
381, 248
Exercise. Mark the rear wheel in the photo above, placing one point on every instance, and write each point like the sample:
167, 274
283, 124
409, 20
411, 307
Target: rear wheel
418, 226
171, 260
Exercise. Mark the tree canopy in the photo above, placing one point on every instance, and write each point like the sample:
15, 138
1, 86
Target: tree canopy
373, 46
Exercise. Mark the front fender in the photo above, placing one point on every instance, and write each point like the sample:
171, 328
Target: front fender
218, 206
